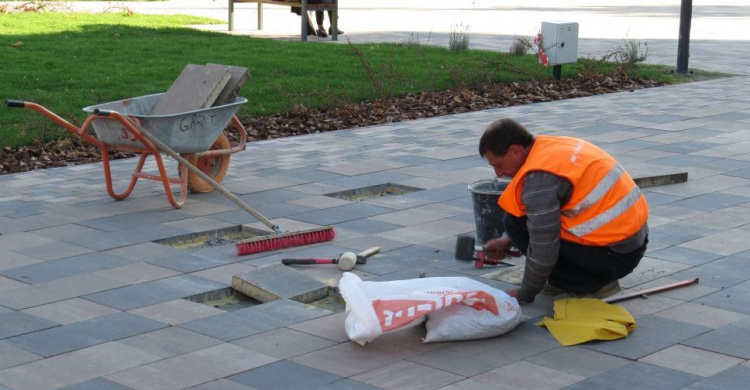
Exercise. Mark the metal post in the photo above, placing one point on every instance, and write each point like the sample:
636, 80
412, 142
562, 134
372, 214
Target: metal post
683, 45
231, 14
304, 16
557, 72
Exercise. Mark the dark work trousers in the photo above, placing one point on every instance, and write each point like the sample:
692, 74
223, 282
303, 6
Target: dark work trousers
580, 268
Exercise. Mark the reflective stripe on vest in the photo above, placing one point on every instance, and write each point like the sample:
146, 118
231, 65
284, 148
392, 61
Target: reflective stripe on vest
608, 216
605, 184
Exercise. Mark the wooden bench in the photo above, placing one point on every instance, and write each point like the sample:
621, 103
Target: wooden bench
303, 4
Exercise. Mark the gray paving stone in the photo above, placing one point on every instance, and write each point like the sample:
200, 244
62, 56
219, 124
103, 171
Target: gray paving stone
653, 334
578, 361
84, 334
711, 202
637, 376
11, 356
475, 357
187, 262
733, 378
102, 240
191, 369
277, 281
62, 268
348, 384
151, 293
280, 195
144, 251
283, 343
135, 220
721, 273
97, 384
70, 310
137, 273
730, 340
366, 180
318, 175
221, 384
341, 214
177, 311
284, 375
406, 258
75, 367
169, 342
694, 361
655, 199
14, 241
253, 320
675, 233
56, 290
366, 226
279, 210
18, 323
684, 255
63, 231
734, 298
12, 260
57, 250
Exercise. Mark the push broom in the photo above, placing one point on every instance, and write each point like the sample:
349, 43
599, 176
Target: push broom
277, 240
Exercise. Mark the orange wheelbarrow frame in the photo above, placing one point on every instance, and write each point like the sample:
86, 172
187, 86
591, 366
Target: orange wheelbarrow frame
148, 149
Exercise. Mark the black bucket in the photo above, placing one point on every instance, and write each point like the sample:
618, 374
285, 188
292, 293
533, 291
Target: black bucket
488, 215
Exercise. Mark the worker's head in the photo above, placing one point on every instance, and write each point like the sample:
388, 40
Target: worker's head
505, 144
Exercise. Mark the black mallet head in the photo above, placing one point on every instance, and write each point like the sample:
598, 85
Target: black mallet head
465, 248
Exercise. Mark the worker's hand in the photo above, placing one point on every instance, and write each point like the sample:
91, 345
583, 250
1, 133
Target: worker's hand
514, 293
499, 248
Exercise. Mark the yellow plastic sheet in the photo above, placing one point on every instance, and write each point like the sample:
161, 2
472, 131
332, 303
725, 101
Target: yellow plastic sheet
578, 320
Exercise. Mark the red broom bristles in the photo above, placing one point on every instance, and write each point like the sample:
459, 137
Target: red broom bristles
284, 240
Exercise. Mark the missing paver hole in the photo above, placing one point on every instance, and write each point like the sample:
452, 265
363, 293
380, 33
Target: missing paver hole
211, 238
227, 299
360, 194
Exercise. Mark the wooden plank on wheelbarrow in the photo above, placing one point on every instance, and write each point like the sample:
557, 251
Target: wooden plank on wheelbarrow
197, 87
240, 76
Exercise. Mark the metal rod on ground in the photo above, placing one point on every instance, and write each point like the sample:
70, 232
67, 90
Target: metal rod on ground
645, 293
192, 168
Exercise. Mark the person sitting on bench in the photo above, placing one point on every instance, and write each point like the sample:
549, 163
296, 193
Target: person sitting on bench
321, 31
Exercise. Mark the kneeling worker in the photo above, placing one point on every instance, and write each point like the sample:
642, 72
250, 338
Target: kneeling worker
571, 208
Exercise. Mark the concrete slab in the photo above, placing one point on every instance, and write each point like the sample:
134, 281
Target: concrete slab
277, 281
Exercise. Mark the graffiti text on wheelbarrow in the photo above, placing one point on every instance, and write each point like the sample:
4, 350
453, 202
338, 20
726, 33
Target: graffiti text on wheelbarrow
196, 121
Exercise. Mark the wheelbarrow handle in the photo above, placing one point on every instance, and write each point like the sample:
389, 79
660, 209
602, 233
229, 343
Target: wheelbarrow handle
15, 103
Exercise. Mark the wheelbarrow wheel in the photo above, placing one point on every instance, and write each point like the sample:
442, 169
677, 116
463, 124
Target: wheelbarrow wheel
214, 166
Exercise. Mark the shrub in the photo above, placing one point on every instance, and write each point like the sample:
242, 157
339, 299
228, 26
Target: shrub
458, 38
521, 46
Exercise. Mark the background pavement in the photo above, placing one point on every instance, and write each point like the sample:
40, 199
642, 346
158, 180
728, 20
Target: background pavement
89, 300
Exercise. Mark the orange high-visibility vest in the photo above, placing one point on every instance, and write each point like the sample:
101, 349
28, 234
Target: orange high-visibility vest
605, 205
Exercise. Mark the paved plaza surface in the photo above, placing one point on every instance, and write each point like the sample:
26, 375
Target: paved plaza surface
90, 300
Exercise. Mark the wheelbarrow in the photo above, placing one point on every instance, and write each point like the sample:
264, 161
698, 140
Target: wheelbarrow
198, 136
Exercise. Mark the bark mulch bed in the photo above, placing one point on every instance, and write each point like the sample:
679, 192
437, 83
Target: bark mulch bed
301, 120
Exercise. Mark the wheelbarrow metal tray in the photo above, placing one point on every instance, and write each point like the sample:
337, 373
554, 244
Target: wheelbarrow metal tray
185, 132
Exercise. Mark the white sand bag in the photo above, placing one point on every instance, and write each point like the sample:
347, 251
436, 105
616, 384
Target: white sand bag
375, 308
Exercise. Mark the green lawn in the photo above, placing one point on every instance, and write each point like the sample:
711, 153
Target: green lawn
68, 61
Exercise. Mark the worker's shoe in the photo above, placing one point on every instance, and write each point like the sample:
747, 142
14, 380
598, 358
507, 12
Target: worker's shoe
549, 289
321, 32
339, 31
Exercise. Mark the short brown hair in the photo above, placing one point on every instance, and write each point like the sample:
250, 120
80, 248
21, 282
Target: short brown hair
501, 134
